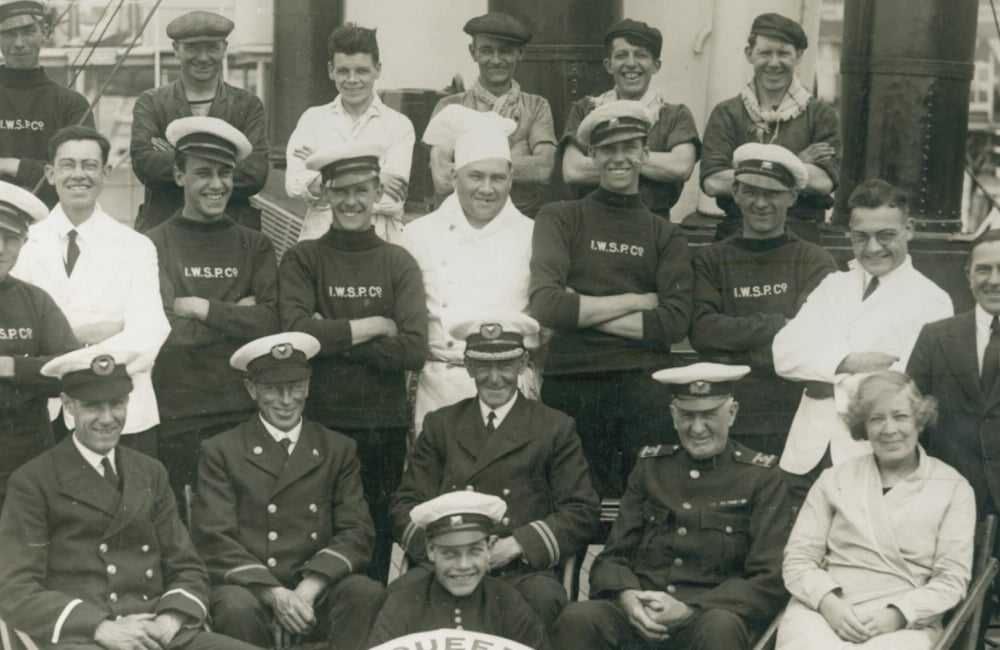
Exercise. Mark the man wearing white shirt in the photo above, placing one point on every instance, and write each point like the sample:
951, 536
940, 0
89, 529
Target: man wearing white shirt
473, 251
856, 321
357, 114
101, 274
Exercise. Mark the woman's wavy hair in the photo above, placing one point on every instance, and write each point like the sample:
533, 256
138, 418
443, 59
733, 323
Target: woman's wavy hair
878, 386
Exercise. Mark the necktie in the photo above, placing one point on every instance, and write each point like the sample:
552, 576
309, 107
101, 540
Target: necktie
991, 359
870, 289
109, 473
490, 426
286, 444
72, 252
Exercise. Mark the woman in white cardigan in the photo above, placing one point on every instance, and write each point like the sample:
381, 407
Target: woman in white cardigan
882, 547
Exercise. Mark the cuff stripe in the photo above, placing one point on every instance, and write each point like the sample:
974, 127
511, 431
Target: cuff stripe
184, 592
548, 538
57, 630
244, 567
339, 556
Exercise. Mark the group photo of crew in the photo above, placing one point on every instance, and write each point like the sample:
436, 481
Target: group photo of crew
490, 383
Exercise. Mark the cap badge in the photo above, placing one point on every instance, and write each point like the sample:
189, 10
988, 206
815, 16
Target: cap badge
613, 123
455, 520
700, 388
103, 365
491, 331
282, 351
766, 164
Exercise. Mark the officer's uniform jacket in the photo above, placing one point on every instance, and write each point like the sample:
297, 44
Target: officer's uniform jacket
533, 461
708, 532
76, 552
261, 517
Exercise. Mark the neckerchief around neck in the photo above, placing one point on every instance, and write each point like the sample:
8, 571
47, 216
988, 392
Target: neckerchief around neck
767, 122
651, 100
510, 104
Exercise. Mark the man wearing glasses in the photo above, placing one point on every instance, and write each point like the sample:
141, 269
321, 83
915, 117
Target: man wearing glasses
856, 321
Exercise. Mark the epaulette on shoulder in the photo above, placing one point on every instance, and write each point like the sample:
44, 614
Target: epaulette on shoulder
652, 451
750, 457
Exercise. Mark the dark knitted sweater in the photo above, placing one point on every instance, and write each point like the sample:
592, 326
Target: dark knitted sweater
222, 262
347, 275
607, 244
32, 109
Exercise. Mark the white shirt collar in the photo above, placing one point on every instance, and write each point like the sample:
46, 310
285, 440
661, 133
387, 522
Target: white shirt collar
890, 277
278, 435
61, 224
375, 108
92, 457
499, 413
983, 320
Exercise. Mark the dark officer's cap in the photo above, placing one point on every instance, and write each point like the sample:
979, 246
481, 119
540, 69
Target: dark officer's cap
782, 28
18, 13
199, 27
19, 208
500, 25
93, 374
637, 31
276, 358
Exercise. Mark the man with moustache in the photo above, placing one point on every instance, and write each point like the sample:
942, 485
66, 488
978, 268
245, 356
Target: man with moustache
498, 44
219, 287
632, 51
458, 527
499, 442
363, 299
613, 281
356, 114
774, 108
747, 287
473, 251
199, 43
694, 559
33, 105
32, 330
956, 360
856, 321
95, 555
279, 515
102, 274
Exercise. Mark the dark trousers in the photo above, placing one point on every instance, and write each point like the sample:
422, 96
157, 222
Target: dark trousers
344, 614
180, 453
186, 639
602, 625
381, 453
798, 485
617, 414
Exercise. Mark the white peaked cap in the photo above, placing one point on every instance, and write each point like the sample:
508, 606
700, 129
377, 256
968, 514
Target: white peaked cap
472, 134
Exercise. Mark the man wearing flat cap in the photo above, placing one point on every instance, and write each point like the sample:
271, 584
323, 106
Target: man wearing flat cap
279, 515
356, 114
95, 555
632, 57
748, 286
774, 108
363, 299
199, 42
32, 330
219, 286
498, 44
499, 442
473, 251
694, 559
857, 321
613, 281
459, 593
34, 106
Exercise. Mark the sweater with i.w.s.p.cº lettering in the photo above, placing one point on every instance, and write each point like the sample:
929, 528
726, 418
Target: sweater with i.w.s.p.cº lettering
346, 275
601, 245
223, 263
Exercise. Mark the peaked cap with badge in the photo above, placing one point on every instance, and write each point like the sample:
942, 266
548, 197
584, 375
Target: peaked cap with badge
497, 337
209, 137
769, 166
461, 517
277, 358
347, 163
18, 13
93, 373
499, 25
613, 122
701, 386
